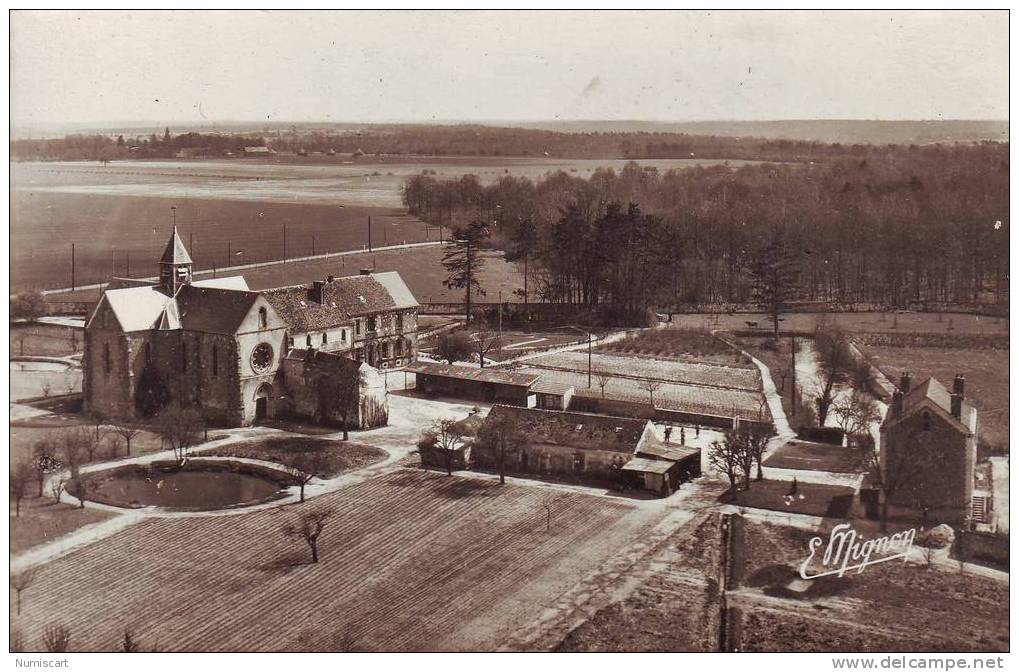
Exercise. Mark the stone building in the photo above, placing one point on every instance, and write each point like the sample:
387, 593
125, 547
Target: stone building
928, 450
219, 347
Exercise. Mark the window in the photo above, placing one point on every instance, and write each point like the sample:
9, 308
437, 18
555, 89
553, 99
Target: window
357, 327
263, 318
307, 340
371, 324
386, 352
148, 353
215, 360
343, 335
106, 358
325, 338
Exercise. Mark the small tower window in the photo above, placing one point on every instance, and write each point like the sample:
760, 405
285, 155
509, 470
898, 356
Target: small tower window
307, 340
107, 364
215, 360
148, 353
263, 318
325, 338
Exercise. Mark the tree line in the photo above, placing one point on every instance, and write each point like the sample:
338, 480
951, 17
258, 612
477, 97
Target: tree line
923, 224
99, 147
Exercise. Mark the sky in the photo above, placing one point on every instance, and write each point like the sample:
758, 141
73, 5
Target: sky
203, 67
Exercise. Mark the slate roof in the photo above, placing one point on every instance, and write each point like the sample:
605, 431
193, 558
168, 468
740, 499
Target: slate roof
931, 390
552, 387
672, 452
499, 376
175, 252
584, 431
212, 309
342, 300
136, 308
231, 282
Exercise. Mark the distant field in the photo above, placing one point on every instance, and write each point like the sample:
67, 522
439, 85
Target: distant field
661, 369
124, 208
902, 323
986, 373
687, 344
410, 561
420, 267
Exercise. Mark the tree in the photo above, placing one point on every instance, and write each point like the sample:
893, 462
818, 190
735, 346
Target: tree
57, 486
891, 474
836, 365
309, 526
484, 340
651, 385
20, 582
454, 346
499, 434
774, 272
56, 639
179, 427
448, 438
72, 448
855, 412
603, 381
732, 457
523, 245
28, 306
308, 465
549, 505
338, 396
21, 475
756, 437
44, 461
126, 432
463, 261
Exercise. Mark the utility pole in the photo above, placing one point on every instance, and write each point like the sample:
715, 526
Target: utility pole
284, 243
468, 320
129, 263
500, 317
313, 246
72, 267
369, 233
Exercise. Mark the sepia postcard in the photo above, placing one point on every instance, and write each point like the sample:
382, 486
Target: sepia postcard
485, 331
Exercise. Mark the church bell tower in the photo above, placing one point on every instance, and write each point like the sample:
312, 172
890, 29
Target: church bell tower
174, 265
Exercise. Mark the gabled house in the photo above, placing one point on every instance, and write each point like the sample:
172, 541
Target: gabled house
928, 450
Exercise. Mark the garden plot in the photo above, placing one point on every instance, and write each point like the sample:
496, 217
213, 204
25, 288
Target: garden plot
671, 371
689, 398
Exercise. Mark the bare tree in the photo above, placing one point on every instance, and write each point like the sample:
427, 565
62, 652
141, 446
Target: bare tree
180, 428
56, 639
900, 468
306, 466
20, 582
338, 397
47, 388
603, 381
309, 527
835, 365
732, 457
127, 433
57, 486
21, 475
499, 434
651, 385
449, 438
855, 412
484, 341
454, 346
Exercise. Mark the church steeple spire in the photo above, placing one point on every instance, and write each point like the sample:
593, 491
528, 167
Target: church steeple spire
174, 265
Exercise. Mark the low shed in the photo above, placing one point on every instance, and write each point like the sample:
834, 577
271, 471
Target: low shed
489, 385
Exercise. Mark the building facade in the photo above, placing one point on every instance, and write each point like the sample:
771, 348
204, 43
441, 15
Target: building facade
928, 450
216, 346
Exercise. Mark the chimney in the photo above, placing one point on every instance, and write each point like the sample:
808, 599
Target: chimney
330, 278
959, 385
958, 394
366, 271
896, 404
316, 291
905, 382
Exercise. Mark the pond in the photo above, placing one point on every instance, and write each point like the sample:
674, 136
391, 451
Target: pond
198, 486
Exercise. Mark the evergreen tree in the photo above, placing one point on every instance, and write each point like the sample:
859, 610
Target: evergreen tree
775, 272
463, 262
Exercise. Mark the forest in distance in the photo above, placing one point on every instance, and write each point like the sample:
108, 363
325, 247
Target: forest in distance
891, 228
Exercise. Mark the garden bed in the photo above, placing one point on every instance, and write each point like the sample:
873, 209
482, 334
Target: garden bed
338, 456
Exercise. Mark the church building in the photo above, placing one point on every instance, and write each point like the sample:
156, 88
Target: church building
225, 350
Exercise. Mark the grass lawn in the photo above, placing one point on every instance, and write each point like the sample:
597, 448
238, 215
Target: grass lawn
908, 323
341, 456
888, 607
986, 374
815, 456
828, 501
42, 520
